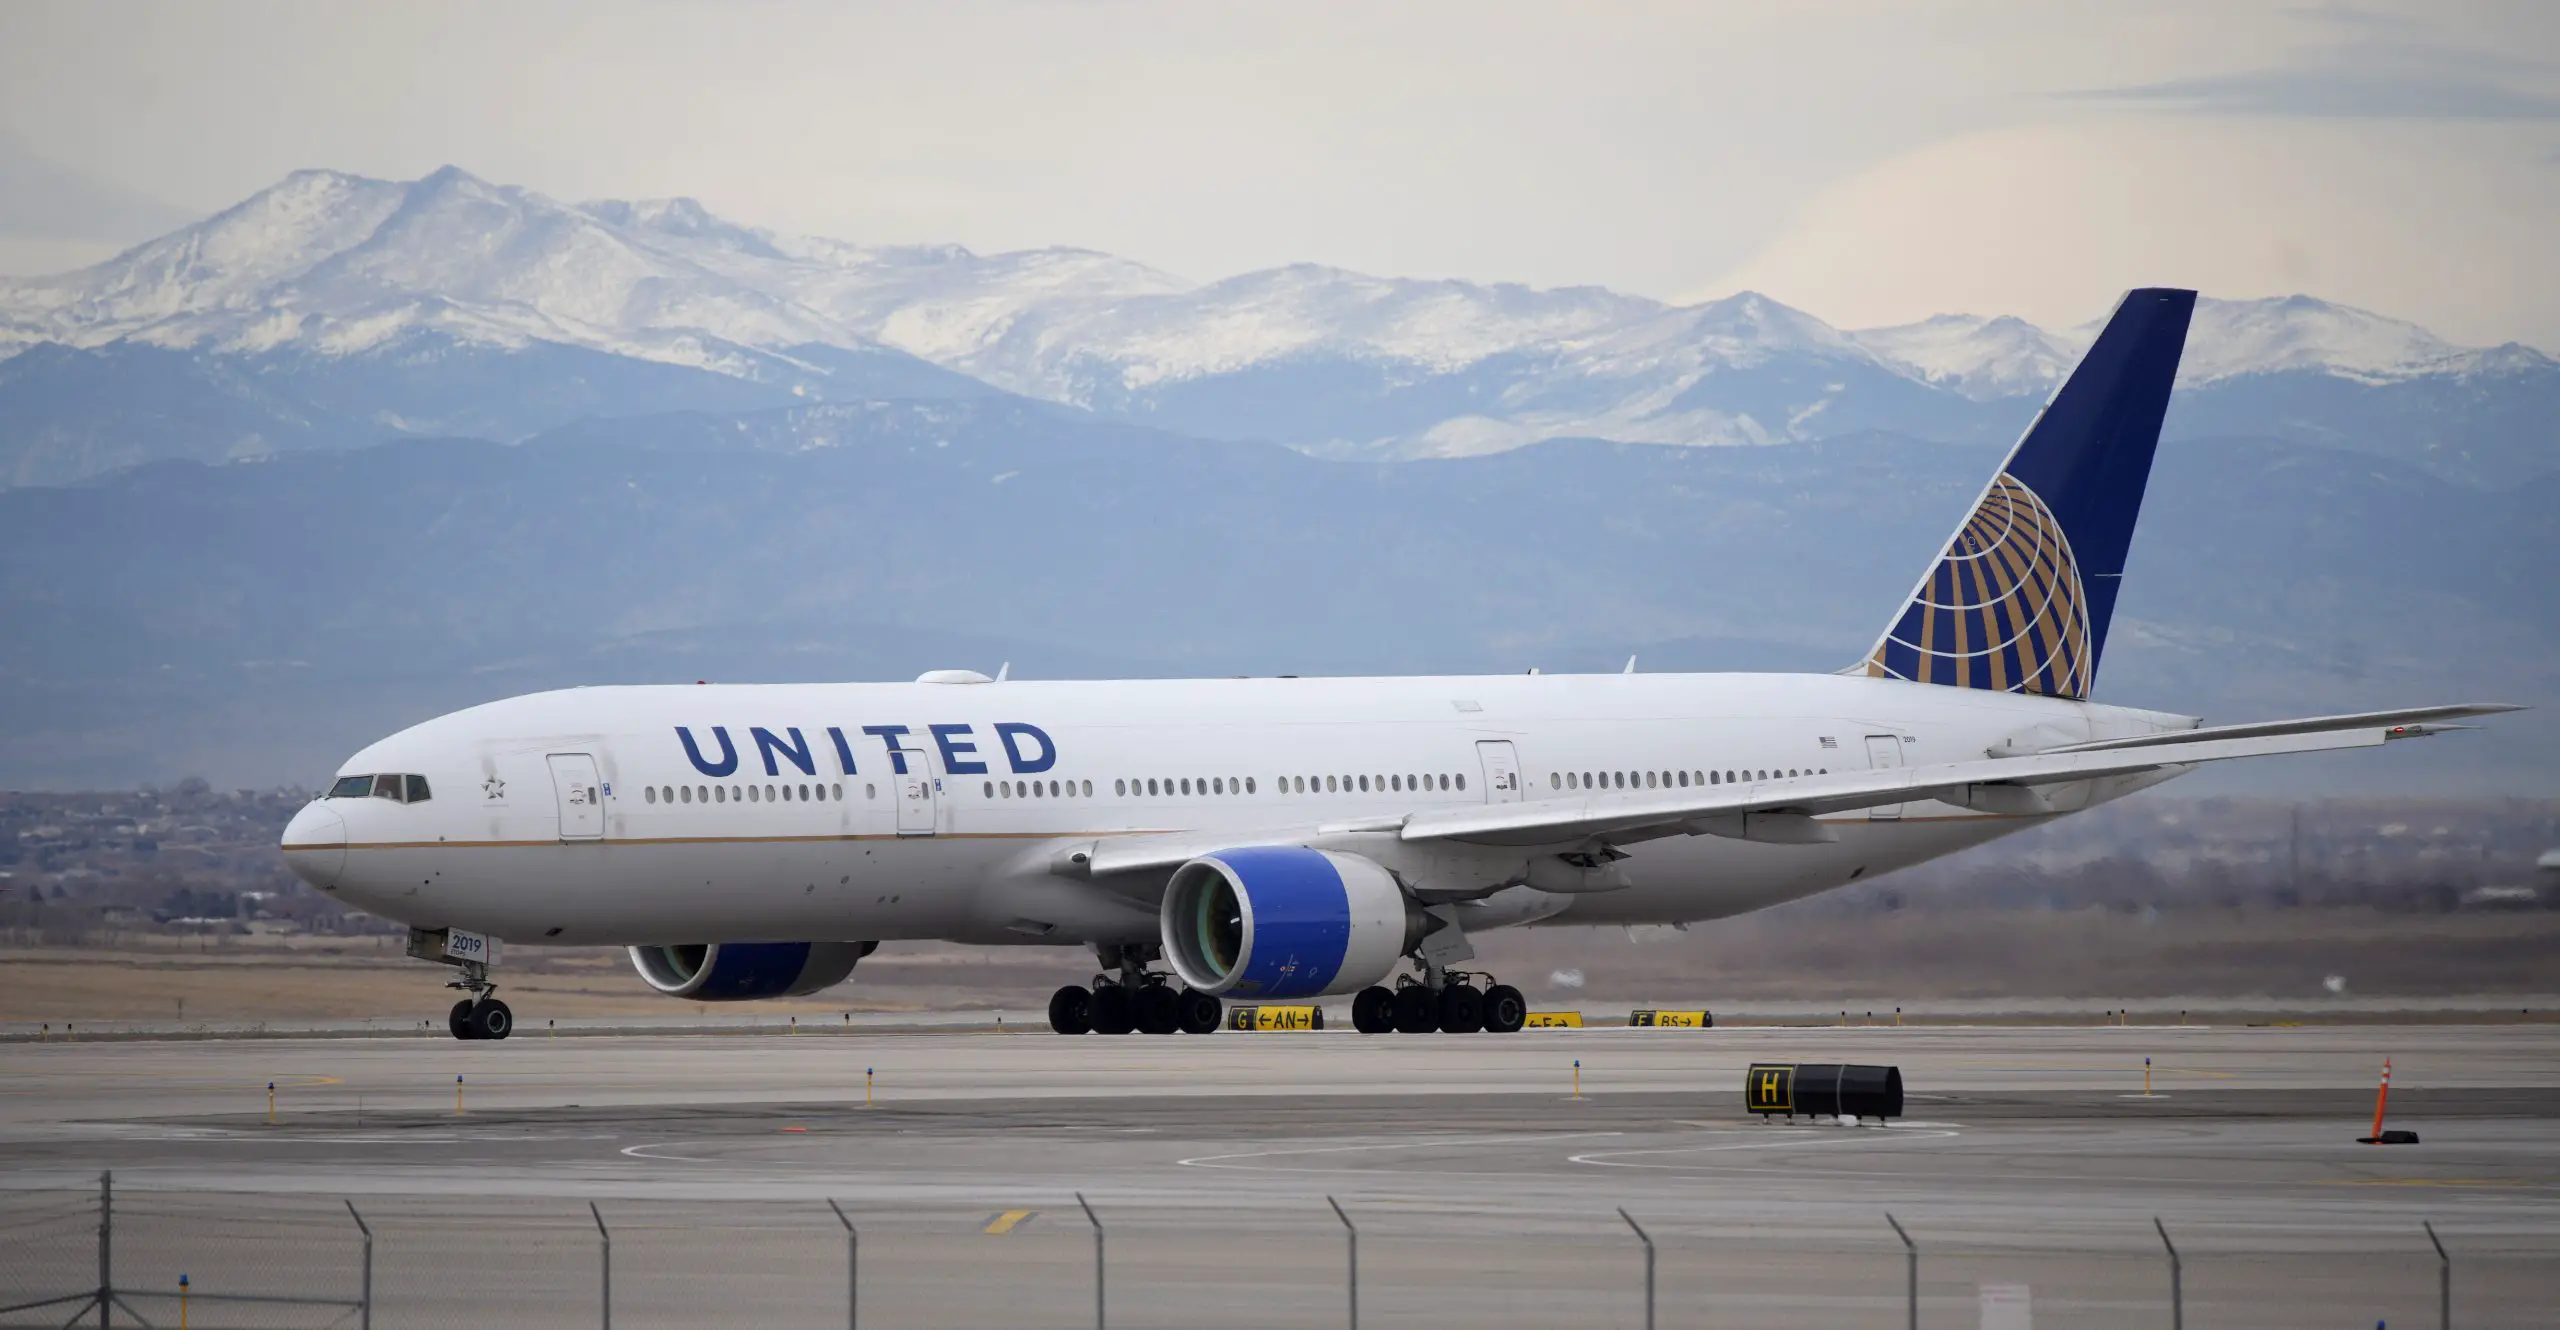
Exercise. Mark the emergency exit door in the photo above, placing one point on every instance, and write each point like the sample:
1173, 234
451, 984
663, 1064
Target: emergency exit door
1501, 771
1884, 753
581, 796
918, 789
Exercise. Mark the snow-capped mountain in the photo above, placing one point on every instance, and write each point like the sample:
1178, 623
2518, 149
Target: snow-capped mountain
336, 307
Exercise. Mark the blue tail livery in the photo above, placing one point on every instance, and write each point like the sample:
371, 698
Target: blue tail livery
2019, 602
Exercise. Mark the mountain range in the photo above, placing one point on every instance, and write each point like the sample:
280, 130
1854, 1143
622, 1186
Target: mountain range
332, 310
354, 451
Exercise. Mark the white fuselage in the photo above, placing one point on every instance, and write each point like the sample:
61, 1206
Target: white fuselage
816, 834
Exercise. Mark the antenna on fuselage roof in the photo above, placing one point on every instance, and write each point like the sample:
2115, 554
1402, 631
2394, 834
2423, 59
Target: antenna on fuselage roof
1631, 666
1004, 671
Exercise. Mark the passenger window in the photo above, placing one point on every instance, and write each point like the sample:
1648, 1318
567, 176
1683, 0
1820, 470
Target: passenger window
720, 794
1120, 788
870, 792
1088, 789
804, 794
651, 794
1151, 785
1462, 782
1248, 785
1711, 778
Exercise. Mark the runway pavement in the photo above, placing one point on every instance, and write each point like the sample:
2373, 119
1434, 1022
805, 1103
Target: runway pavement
1485, 1190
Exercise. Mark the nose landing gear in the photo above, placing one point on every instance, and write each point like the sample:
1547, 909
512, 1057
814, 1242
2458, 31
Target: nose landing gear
481, 1018
481, 1015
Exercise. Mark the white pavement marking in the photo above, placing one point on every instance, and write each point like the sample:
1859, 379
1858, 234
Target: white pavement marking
1792, 1137
1219, 1161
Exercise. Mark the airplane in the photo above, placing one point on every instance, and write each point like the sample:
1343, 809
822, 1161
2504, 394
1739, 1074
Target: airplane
1282, 839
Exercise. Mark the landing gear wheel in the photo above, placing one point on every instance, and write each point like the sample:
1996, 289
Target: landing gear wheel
1200, 1013
1158, 1011
490, 1019
1461, 1009
1373, 1011
1071, 1010
460, 1021
1113, 1010
1505, 1011
1417, 1010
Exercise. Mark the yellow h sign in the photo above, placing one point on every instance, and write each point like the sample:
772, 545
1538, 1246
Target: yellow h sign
1770, 1087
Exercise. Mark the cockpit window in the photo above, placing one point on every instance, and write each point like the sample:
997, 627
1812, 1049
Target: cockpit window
398, 788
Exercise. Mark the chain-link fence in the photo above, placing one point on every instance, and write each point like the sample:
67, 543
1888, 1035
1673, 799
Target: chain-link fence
218, 1260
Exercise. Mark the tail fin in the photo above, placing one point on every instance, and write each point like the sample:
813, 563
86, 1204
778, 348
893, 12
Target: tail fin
2020, 600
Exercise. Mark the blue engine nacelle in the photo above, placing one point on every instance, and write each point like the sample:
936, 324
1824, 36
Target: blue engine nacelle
1284, 921
744, 971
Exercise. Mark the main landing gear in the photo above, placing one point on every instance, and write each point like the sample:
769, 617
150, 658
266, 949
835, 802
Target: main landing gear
1151, 1006
1454, 1006
1135, 1000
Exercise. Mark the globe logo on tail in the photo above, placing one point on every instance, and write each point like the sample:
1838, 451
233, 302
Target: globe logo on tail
2003, 609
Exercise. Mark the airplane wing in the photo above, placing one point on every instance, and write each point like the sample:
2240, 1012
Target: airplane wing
1785, 809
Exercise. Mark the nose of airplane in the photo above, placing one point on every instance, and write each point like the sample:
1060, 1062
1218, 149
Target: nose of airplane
315, 845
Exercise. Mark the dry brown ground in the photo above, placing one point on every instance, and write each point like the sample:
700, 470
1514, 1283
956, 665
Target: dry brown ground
1860, 961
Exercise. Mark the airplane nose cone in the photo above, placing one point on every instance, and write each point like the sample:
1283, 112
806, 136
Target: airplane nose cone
315, 845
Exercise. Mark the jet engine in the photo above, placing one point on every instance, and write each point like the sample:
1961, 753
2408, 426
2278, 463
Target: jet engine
744, 971
1283, 921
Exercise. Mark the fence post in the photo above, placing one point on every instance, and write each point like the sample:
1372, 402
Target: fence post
2177, 1279
1353, 1237
1911, 1256
2444, 1278
852, 1268
1099, 1321
365, 1311
1647, 1240
106, 1246
606, 1235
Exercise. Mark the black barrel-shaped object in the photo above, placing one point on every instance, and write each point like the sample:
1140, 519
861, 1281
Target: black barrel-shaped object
1823, 1089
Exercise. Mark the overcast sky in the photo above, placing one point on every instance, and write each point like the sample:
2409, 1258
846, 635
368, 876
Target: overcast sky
1871, 163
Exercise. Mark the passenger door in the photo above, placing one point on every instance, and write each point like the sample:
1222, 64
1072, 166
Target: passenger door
1884, 753
917, 791
1501, 771
581, 795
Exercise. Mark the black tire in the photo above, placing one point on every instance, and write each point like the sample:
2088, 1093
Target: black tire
1201, 1013
1159, 1011
1071, 1010
1114, 1012
1461, 1009
491, 1019
1417, 1010
1373, 1011
1505, 1010
460, 1021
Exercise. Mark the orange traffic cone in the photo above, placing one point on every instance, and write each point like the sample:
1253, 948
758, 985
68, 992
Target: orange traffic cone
2381, 1099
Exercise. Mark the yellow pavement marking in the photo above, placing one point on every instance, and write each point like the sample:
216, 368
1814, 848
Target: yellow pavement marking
1004, 1223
